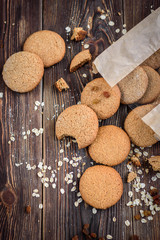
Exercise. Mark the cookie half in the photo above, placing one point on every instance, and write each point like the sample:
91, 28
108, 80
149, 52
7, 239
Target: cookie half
48, 45
23, 71
133, 86
80, 122
101, 186
153, 61
111, 146
103, 99
153, 89
140, 133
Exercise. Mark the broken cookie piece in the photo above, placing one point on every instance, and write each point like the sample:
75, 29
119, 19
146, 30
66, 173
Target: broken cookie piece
135, 161
131, 176
61, 85
80, 59
78, 34
155, 163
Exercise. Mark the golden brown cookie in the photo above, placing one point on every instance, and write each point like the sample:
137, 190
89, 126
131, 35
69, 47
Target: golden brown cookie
153, 89
48, 45
23, 71
103, 99
153, 61
61, 85
79, 34
111, 146
133, 86
80, 122
140, 133
80, 59
101, 186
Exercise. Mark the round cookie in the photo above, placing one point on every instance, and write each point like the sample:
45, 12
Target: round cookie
103, 99
140, 133
133, 86
80, 122
23, 71
101, 186
153, 89
111, 146
48, 45
153, 61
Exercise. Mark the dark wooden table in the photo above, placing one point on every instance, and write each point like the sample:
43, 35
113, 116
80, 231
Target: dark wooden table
59, 218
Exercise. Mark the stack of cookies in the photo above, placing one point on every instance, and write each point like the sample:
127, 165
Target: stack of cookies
23, 71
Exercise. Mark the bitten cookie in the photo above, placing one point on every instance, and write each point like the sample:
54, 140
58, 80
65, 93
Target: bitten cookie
140, 133
111, 146
153, 61
133, 86
101, 186
48, 45
155, 163
80, 122
80, 59
23, 71
103, 99
153, 89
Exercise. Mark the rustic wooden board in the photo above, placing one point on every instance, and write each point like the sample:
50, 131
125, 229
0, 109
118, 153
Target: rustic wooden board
59, 218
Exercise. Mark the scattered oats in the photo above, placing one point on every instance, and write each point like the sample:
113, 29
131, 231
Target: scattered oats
94, 210
37, 103
142, 213
73, 189
40, 174
111, 23
25, 137
76, 204
49, 168
127, 223
68, 29
142, 148
45, 167
42, 104
154, 178
114, 219
142, 185
74, 183
35, 108
124, 25
102, 17
66, 159
68, 144
84, 75
153, 212
129, 203
136, 150
130, 194
9, 142
109, 236
33, 167
23, 133
86, 45
5, 22
139, 172
78, 194
12, 139
33, 194
60, 163
28, 132
46, 185
18, 164
40, 165
61, 151
117, 30
41, 130
28, 167
78, 175
74, 140
62, 191
158, 175
147, 170
79, 102
80, 200
143, 220
129, 167
51, 179
53, 185
35, 190
145, 154
13, 24
37, 195
40, 206
150, 218
71, 161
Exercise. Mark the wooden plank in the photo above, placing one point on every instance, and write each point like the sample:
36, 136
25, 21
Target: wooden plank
18, 20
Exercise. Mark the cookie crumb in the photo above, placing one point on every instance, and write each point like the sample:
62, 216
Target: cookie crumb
131, 176
28, 209
78, 34
61, 85
135, 161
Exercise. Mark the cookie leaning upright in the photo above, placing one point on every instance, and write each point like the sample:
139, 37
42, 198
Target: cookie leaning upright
48, 45
103, 99
23, 71
111, 146
101, 186
140, 133
80, 122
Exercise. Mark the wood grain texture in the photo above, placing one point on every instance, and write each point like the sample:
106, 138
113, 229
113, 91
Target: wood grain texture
60, 219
